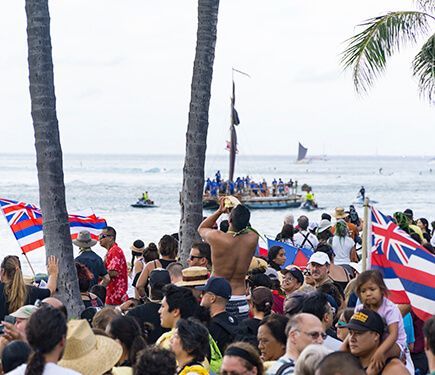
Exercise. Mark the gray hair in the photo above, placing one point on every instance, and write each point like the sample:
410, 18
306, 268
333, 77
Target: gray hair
310, 358
289, 219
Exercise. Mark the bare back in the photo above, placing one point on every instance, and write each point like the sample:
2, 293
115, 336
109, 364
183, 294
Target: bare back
231, 256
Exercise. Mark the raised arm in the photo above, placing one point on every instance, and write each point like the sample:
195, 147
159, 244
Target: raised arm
207, 225
53, 272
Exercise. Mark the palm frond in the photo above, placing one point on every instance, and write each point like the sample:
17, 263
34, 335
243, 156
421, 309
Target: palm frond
424, 69
367, 51
426, 5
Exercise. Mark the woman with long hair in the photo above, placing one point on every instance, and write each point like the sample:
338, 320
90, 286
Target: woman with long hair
14, 293
343, 245
85, 277
127, 332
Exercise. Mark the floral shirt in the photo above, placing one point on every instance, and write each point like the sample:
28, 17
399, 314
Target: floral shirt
116, 291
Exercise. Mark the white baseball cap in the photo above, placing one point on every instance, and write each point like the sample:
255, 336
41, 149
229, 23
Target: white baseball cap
319, 258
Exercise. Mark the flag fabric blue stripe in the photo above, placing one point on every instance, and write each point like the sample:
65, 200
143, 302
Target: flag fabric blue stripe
28, 231
418, 289
87, 224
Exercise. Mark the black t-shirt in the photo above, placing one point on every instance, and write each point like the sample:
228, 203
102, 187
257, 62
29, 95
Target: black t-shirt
223, 328
95, 264
33, 294
247, 331
149, 313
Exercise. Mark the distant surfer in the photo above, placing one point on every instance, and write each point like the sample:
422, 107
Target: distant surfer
232, 252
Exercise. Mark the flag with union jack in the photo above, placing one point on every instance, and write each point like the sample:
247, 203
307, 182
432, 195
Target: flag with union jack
408, 268
25, 220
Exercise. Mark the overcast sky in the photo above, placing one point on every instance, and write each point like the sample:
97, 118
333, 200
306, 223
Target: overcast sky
123, 71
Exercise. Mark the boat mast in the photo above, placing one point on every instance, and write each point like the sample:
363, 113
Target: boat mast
233, 139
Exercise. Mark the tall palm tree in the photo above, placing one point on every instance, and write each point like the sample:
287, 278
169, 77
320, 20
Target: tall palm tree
56, 229
196, 136
382, 36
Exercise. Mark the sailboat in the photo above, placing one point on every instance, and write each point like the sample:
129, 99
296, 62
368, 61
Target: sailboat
302, 155
252, 202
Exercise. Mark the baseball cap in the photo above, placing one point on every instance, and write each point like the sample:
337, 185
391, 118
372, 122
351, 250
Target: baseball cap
24, 312
323, 225
159, 277
295, 272
366, 320
271, 272
218, 286
319, 258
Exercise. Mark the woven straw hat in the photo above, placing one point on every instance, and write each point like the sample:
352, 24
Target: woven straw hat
88, 353
194, 276
340, 213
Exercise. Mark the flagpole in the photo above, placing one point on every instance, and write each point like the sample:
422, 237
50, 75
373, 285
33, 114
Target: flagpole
30, 265
365, 234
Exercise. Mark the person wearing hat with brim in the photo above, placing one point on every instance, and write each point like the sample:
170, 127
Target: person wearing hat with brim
90, 258
137, 262
319, 266
222, 326
292, 280
17, 330
88, 353
366, 328
323, 231
193, 277
340, 213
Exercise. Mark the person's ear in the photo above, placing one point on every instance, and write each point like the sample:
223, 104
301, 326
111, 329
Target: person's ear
176, 313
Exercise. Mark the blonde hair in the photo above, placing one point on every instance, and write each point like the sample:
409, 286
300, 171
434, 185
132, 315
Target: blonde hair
14, 286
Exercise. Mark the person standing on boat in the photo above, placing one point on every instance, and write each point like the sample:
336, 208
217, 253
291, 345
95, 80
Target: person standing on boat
362, 193
232, 252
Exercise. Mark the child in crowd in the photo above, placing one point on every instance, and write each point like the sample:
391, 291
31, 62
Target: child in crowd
372, 292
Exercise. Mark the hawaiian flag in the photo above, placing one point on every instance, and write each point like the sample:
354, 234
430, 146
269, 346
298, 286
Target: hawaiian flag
297, 256
408, 268
25, 221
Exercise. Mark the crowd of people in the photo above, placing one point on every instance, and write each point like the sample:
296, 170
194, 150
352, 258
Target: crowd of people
248, 186
227, 312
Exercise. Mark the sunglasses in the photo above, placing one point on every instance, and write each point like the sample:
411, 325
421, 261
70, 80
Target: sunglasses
307, 273
101, 236
341, 324
315, 335
192, 257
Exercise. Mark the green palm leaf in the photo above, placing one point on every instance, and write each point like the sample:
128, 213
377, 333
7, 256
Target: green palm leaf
426, 5
424, 69
367, 51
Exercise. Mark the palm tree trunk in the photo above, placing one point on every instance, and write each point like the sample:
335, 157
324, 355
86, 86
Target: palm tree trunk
196, 136
56, 229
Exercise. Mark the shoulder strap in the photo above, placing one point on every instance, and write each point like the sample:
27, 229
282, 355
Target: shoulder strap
284, 367
306, 239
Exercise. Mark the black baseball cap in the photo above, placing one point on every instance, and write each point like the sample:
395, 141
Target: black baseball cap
366, 320
159, 277
295, 272
218, 286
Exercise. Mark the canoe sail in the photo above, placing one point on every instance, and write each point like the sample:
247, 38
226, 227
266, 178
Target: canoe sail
302, 152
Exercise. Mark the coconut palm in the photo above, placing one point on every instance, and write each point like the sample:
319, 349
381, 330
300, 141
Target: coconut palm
196, 136
367, 51
56, 229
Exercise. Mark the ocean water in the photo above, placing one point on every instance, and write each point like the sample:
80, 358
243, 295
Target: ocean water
109, 184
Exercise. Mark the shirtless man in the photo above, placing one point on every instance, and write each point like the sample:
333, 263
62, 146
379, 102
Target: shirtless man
232, 253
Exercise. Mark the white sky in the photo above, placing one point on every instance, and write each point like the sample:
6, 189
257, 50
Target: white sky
123, 71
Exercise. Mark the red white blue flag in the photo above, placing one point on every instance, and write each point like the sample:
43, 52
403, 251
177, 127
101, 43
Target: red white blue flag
294, 255
25, 221
408, 268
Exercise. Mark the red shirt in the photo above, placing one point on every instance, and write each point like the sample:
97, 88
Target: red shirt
116, 291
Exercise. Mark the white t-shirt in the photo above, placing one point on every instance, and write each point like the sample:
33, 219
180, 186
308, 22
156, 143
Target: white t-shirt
342, 247
49, 369
310, 243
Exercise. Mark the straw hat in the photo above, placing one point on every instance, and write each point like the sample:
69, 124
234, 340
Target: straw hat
339, 213
138, 246
84, 239
257, 263
194, 276
88, 353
